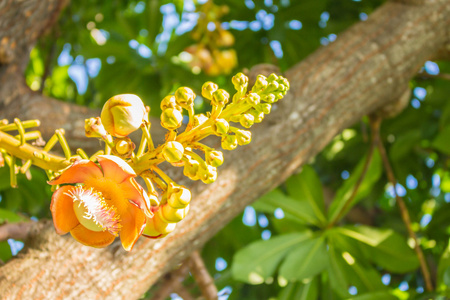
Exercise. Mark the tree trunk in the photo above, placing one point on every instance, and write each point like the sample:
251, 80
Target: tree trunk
366, 68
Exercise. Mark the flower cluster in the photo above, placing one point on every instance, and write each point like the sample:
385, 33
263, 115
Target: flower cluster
98, 198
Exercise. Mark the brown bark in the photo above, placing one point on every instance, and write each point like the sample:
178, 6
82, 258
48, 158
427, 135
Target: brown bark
367, 67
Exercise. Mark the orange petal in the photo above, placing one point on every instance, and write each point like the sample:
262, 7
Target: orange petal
78, 173
134, 192
97, 239
64, 217
133, 223
115, 168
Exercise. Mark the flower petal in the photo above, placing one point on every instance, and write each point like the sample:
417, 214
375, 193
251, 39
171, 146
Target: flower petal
136, 194
115, 168
64, 217
133, 223
78, 172
97, 239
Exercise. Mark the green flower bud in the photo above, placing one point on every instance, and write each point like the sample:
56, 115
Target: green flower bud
269, 98
170, 102
264, 107
123, 114
244, 137
178, 196
220, 97
261, 83
184, 97
123, 147
208, 175
229, 142
171, 119
173, 215
221, 126
272, 87
257, 115
253, 99
173, 151
191, 169
239, 80
94, 127
272, 77
214, 158
208, 89
247, 120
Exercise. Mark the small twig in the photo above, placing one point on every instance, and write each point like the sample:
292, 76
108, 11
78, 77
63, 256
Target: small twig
430, 76
204, 280
357, 184
17, 231
172, 283
375, 122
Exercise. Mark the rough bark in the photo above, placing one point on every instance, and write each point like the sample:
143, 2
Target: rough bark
366, 68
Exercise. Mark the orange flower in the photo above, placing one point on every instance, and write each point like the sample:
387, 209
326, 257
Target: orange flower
108, 202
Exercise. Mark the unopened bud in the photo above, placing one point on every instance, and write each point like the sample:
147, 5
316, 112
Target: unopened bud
123, 114
253, 99
257, 115
208, 89
221, 126
261, 83
191, 169
247, 120
214, 158
178, 196
173, 151
229, 142
239, 80
161, 225
207, 175
170, 102
184, 97
171, 119
264, 107
220, 97
269, 98
173, 215
272, 87
94, 127
244, 137
123, 147
200, 119
272, 77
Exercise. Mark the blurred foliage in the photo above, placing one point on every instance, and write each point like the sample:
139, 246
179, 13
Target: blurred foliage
285, 249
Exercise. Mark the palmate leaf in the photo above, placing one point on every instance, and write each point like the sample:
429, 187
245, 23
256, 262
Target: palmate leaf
384, 247
258, 261
305, 260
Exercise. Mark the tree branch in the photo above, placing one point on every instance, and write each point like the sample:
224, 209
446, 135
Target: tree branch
367, 67
204, 281
17, 231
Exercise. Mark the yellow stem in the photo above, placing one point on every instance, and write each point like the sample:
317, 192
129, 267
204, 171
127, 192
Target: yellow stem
25, 125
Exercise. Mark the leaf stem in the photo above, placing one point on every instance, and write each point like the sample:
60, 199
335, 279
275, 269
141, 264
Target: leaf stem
375, 122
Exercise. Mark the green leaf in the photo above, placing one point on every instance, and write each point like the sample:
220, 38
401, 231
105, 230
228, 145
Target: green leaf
386, 248
300, 291
258, 261
9, 216
5, 251
442, 141
374, 296
305, 261
306, 186
344, 193
443, 270
295, 210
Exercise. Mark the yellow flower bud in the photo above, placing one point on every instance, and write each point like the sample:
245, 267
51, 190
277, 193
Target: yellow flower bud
94, 127
171, 119
261, 83
178, 196
123, 147
220, 97
244, 137
225, 39
221, 126
272, 77
257, 115
272, 87
191, 169
200, 119
161, 225
173, 215
173, 151
247, 120
229, 142
207, 175
208, 89
123, 114
150, 230
239, 80
170, 102
214, 158
264, 107
184, 97
253, 99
